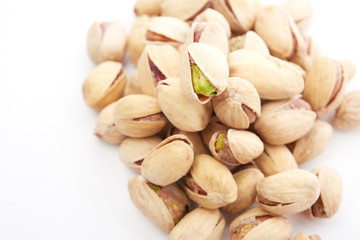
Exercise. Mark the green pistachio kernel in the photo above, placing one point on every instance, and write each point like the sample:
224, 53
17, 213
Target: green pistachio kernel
219, 145
201, 85
242, 231
154, 187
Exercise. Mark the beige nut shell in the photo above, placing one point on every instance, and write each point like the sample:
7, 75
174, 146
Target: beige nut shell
132, 84
348, 113
148, 7
194, 137
185, 10
214, 125
137, 36
211, 15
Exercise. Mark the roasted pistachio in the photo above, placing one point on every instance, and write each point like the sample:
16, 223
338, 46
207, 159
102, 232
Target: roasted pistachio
139, 116
105, 84
132, 84
186, 10
250, 40
301, 11
137, 36
164, 206
348, 113
194, 137
148, 7
214, 125
211, 15
349, 68
304, 236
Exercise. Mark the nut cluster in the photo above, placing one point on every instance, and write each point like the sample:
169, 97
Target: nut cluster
225, 102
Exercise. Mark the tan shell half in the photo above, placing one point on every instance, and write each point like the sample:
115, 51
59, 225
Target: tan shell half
194, 137
148, 7
156, 63
349, 68
301, 11
348, 113
137, 36
214, 125
304, 236
185, 10
182, 112
211, 15
169, 161
250, 40
200, 223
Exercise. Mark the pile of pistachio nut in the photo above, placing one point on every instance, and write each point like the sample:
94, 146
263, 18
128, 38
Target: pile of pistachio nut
225, 102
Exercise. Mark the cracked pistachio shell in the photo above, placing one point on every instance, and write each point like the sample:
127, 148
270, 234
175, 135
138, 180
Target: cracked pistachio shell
169, 161
201, 223
250, 40
284, 121
246, 178
214, 125
257, 223
239, 13
139, 116
194, 137
330, 197
104, 84
186, 10
288, 192
210, 183
235, 147
148, 7
166, 30
105, 127
156, 63
301, 12
132, 151
325, 85
273, 78
132, 84
313, 143
205, 68
211, 15
106, 42
304, 236
137, 38
239, 105
182, 112
211, 33
163, 206
349, 68
348, 113
275, 159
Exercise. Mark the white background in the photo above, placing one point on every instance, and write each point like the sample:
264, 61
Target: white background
57, 180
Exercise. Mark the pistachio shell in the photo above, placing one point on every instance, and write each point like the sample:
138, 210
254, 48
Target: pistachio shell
301, 11
138, 116
156, 207
275, 159
214, 125
182, 112
169, 161
250, 40
288, 192
106, 42
313, 143
325, 85
194, 137
330, 197
148, 7
186, 10
349, 68
272, 77
200, 223
348, 113
284, 121
211, 15
157, 63
104, 85
239, 105
212, 65
132, 84
214, 181
137, 36
132, 151
304, 236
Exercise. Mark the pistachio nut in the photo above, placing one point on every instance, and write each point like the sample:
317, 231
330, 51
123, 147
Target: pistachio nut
182, 112
106, 42
349, 67
186, 10
201, 223
214, 125
246, 178
301, 11
348, 113
132, 151
284, 121
313, 143
166, 30
297, 68
304, 236
259, 6
239, 13
164, 206
325, 85
132, 84
288, 192
250, 40
235, 147
105, 127
312, 49
169, 161
204, 72
194, 137
273, 78
148, 7
256, 223
210, 183
156, 63
275, 159
104, 84
330, 197
137, 36
211, 15
139, 116
239, 105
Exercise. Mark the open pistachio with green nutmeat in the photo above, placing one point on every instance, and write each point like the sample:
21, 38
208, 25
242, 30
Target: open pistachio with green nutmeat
194, 137
235, 147
164, 206
211, 15
186, 10
137, 36
348, 113
304, 236
204, 72
139, 116
214, 125
257, 223
250, 40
